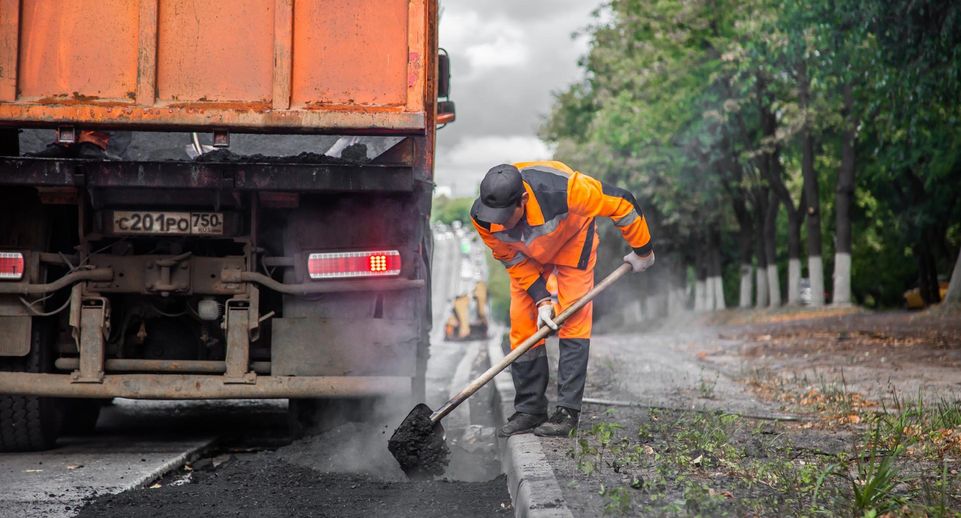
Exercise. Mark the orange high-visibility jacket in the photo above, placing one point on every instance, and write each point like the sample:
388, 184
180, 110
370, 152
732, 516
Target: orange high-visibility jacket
561, 207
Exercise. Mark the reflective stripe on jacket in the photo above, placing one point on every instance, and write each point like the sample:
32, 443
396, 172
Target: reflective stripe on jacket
558, 227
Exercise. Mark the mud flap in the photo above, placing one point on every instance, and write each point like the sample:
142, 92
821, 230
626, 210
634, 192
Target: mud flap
15, 335
343, 347
15, 326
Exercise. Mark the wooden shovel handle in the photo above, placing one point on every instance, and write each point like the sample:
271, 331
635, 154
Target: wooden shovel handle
541, 333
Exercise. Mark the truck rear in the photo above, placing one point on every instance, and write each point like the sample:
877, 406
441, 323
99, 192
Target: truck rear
224, 276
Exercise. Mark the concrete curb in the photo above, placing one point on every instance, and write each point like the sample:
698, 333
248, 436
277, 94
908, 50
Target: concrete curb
530, 478
169, 466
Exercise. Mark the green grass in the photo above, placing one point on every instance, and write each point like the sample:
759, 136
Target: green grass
693, 463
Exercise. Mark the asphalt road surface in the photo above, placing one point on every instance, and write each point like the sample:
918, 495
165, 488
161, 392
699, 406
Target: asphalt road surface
137, 442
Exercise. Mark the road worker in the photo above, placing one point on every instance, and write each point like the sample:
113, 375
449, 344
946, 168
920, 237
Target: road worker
538, 218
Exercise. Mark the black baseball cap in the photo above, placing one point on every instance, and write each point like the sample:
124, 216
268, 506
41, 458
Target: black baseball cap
500, 192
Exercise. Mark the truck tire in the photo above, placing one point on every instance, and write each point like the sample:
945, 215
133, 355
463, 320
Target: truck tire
30, 423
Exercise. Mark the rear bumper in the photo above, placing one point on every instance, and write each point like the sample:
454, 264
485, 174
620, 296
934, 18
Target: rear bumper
199, 386
240, 176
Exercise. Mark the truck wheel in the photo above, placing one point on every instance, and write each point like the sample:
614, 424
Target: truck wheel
30, 423
80, 416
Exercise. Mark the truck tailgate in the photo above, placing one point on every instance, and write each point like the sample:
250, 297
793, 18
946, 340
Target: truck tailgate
257, 65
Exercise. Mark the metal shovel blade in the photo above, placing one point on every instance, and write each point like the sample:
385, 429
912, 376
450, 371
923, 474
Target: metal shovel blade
418, 444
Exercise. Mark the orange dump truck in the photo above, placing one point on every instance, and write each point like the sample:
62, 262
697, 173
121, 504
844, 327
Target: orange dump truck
303, 275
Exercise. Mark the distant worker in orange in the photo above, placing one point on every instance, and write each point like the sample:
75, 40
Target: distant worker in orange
538, 219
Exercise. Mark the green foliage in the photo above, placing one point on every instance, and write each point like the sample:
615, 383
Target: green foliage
618, 500
498, 289
448, 210
675, 94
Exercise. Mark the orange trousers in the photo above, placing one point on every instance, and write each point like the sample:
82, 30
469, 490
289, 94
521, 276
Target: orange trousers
572, 284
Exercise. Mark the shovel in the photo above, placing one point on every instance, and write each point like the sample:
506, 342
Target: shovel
418, 443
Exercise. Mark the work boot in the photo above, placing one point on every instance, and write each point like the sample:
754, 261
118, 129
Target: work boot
91, 150
561, 424
54, 151
521, 423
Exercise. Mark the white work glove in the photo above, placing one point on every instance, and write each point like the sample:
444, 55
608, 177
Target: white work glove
638, 263
545, 315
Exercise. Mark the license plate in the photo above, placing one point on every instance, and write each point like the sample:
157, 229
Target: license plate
165, 223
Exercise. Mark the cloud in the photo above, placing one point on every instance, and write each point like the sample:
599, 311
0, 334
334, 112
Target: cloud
485, 44
462, 166
507, 58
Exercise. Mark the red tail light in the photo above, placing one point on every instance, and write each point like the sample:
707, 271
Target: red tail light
338, 265
11, 266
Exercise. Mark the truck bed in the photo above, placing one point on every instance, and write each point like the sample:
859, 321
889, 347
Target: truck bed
310, 66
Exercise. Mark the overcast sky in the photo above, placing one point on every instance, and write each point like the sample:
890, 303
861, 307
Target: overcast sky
507, 56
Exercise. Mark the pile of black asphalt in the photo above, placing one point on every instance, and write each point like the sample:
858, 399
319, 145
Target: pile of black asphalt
265, 486
345, 471
355, 154
419, 446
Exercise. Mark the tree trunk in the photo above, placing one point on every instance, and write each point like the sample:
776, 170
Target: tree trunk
700, 283
842, 204
747, 284
717, 282
794, 221
927, 238
744, 242
761, 298
655, 304
774, 171
770, 252
699, 287
795, 217
954, 288
812, 196
927, 269
677, 294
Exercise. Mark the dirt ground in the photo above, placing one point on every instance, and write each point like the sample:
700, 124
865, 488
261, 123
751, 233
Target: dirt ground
875, 354
790, 412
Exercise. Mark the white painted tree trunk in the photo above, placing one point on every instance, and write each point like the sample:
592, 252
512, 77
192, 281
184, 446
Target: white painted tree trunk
953, 296
634, 312
655, 305
677, 301
699, 289
719, 302
672, 308
773, 286
816, 270
794, 282
744, 300
672, 302
842, 280
709, 294
761, 285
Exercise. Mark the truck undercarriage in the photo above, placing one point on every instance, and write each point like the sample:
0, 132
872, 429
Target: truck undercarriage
138, 272
189, 280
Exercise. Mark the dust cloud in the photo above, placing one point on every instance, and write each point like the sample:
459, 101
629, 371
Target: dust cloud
339, 445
